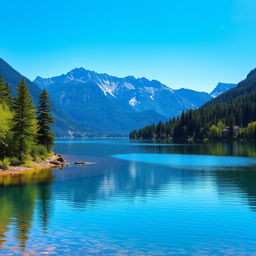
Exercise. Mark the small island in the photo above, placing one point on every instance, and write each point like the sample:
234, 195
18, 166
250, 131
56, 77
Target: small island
26, 139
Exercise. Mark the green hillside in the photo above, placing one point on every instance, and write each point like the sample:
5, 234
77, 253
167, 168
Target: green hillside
236, 107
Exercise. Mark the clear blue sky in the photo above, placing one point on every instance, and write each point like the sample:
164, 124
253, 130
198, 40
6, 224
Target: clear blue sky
182, 43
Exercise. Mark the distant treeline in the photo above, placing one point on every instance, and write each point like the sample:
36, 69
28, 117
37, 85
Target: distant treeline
236, 107
25, 131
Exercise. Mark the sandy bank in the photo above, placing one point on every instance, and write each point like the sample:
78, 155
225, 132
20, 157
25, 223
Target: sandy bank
56, 161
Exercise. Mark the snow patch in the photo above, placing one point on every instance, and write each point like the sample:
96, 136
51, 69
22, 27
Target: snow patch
150, 90
106, 89
133, 102
63, 94
129, 86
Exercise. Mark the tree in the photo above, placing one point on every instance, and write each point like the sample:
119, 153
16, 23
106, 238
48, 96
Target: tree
24, 123
5, 96
45, 119
251, 130
221, 125
214, 133
5, 117
5, 126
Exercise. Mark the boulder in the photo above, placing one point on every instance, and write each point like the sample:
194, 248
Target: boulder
60, 159
55, 162
3, 168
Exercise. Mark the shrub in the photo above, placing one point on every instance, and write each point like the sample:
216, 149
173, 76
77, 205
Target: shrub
6, 162
214, 133
39, 153
15, 161
251, 130
28, 163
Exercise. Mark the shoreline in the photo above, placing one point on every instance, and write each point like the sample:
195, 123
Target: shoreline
56, 161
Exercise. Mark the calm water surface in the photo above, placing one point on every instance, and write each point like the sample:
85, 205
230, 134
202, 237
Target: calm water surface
136, 199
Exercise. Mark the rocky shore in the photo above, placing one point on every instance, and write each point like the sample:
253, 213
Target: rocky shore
56, 161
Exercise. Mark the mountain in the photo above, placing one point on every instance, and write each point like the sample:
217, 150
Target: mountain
117, 105
12, 77
193, 99
233, 108
63, 125
221, 88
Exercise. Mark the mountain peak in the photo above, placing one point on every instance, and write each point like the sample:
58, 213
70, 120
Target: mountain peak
221, 88
252, 74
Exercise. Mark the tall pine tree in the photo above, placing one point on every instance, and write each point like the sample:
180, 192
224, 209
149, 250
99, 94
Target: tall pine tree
24, 122
45, 119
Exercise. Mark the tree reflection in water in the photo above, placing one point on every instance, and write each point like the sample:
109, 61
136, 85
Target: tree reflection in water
32, 196
18, 203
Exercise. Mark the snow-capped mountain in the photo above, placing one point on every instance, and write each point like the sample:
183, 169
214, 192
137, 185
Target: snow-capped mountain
117, 105
221, 88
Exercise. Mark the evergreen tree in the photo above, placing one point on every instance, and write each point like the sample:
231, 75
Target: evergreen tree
24, 122
45, 136
5, 96
6, 116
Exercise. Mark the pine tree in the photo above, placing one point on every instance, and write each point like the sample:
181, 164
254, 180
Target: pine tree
5, 96
5, 117
45, 136
24, 122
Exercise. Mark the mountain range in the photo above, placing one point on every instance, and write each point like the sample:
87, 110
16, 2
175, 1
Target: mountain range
118, 105
86, 103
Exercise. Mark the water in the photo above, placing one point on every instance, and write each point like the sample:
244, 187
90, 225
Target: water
136, 199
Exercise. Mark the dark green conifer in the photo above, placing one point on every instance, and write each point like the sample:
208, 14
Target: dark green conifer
45, 119
24, 122
5, 96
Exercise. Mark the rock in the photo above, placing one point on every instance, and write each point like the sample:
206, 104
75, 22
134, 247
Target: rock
60, 159
55, 162
80, 162
3, 168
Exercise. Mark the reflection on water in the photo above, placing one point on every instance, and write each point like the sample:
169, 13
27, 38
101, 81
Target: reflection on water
190, 161
19, 196
154, 202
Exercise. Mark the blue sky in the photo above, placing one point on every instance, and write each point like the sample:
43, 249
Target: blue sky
183, 43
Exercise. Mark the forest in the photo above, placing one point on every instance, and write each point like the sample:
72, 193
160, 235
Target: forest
233, 111
25, 129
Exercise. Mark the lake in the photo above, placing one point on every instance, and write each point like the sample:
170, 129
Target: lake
134, 199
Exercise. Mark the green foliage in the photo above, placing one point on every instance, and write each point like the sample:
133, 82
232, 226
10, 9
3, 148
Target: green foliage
214, 133
28, 163
24, 122
251, 130
221, 125
45, 136
235, 107
15, 161
5, 162
39, 152
5, 96
6, 116
23, 136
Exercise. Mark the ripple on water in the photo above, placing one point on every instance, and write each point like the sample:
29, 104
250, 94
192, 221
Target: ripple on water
189, 161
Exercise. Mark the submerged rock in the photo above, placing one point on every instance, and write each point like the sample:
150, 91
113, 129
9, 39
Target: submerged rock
80, 163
